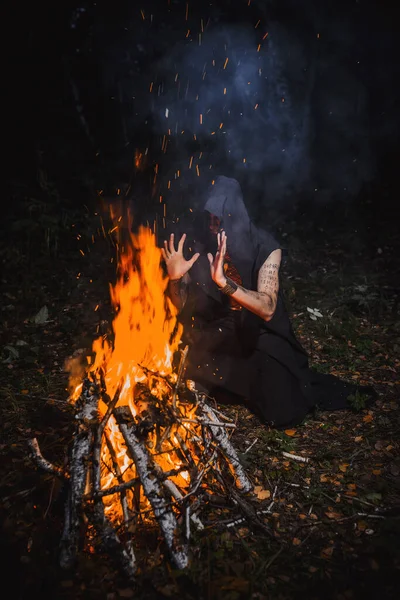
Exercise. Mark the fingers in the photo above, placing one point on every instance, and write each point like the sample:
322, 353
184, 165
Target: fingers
165, 252
181, 242
171, 244
210, 259
223, 243
194, 258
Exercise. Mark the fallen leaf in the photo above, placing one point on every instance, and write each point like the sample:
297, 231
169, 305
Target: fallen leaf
333, 515
296, 542
377, 471
232, 583
327, 552
290, 432
24, 392
358, 438
126, 593
344, 467
368, 418
42, 316
261, 493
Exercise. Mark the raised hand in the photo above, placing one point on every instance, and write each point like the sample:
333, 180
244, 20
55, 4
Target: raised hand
176, 264
217, 263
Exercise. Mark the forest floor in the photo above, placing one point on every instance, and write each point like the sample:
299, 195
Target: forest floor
335, 520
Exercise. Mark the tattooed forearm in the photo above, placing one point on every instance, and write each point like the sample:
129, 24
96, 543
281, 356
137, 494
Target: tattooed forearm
263, 302
267, 301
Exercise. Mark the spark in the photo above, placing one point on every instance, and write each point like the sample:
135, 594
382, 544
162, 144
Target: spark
257, 24
190, 162
226, 62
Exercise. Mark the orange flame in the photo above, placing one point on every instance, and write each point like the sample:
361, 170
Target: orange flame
146, 336
146, 333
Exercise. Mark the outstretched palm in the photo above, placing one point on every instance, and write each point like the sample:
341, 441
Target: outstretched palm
177, 265
217, 263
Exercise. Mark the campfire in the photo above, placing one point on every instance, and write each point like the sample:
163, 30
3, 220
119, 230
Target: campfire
147, 446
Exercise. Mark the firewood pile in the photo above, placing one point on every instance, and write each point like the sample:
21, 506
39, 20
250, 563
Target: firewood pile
145, 463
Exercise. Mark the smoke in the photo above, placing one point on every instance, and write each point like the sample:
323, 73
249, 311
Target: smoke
286, 101
244, 104
282, 115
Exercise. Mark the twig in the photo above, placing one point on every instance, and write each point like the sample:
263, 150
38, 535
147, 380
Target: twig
110, 408
201, 421
41, 462
250, 447
358, 500
115, 489
269, 562
180, 374
296, 457
124, 501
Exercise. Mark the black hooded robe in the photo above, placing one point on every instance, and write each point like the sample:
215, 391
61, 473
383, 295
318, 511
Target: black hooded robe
235, 355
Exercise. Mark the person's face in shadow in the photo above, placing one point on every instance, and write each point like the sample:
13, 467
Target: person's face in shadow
214, 224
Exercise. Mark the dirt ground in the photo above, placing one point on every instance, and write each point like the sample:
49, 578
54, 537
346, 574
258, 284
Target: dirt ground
334, 520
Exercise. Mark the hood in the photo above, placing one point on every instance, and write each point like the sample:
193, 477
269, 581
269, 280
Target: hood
224, 199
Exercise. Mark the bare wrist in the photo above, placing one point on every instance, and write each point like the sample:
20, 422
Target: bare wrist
221, 282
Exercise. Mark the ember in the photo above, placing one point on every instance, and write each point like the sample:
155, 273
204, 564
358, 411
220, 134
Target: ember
147, 446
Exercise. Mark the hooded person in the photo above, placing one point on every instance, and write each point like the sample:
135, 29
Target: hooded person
242, 347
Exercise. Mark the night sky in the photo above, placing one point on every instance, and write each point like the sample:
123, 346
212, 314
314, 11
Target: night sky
294, 99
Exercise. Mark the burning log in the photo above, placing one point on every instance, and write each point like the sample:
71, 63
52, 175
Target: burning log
79, 464
223, 442
152, 489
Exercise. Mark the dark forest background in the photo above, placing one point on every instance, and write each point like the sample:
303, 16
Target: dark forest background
308, 122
